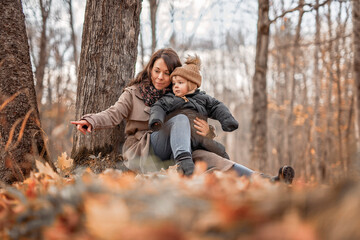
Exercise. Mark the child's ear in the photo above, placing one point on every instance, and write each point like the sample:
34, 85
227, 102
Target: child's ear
191, 85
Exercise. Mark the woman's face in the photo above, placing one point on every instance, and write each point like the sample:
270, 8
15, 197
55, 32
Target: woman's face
160, 75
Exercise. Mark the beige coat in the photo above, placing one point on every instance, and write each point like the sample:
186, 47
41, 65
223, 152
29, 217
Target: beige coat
136, 150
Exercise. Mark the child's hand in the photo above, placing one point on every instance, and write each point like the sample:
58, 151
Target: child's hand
156, 126
83, 126
202, 126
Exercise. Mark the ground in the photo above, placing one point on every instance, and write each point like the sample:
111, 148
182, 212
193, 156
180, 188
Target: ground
165, 205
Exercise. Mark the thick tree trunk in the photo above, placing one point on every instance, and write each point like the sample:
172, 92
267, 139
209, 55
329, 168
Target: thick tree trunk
356, 47
107, 63
259, 105
21, 136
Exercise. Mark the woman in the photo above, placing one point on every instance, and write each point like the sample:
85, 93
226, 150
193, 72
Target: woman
147, 151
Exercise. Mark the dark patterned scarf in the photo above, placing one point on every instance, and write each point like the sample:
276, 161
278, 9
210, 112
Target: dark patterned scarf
150, 94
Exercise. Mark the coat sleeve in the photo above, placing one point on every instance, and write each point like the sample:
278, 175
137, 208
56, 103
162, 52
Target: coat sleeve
114, 114
218, 111
157, 114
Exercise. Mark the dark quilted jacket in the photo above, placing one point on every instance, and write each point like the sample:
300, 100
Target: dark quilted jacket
203, 104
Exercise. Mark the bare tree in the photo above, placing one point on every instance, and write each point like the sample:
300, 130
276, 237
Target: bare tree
356, 65
142, 49
320, 168
290, 115
107, 63
73, 35
329, 66
154, 4
45, 7
21, 136
259, 107
338, 86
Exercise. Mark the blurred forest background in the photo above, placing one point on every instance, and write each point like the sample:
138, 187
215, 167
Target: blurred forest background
310, 83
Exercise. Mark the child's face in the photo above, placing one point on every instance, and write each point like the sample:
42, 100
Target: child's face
180, 86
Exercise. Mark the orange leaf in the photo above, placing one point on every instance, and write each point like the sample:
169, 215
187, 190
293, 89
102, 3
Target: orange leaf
46, 169
64, 162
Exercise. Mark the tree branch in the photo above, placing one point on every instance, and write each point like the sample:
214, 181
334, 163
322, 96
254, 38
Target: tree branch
312, 6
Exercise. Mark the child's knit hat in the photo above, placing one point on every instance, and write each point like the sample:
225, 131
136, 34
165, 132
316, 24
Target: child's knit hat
190, 71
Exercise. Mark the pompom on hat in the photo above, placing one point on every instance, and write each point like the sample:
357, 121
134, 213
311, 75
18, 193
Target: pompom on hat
190, 71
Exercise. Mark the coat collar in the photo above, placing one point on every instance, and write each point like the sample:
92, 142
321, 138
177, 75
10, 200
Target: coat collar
197, 91
136, 90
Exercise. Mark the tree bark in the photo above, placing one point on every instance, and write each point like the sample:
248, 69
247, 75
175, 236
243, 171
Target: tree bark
107, 63
356, 65
259, 105
21, 136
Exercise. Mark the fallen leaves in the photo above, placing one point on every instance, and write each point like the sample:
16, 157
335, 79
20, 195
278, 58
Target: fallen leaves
106, 216
64, 162
166, 205
44, 168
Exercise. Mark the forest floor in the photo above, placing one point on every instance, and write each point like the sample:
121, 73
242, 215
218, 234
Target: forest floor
165, 205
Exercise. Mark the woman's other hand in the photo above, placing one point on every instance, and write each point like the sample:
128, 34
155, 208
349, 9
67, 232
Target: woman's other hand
202, 127
83, 126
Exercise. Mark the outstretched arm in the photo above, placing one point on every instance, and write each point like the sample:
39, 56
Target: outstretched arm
83, 126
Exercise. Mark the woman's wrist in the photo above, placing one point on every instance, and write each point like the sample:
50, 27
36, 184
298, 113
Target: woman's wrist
211, 133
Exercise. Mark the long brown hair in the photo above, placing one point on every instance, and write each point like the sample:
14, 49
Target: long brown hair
170, 58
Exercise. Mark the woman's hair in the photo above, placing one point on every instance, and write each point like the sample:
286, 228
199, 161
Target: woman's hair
170, 58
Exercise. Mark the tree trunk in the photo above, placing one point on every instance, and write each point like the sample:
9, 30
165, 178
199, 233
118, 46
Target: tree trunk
289, 119
21, 136
154, 4
45, 7
320, 166
356, 47
259, 105
338, 86
142, 49
73, 36
329, 115
107, 63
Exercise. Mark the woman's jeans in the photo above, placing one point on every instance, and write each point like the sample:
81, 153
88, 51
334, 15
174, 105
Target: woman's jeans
173, 138
242, 170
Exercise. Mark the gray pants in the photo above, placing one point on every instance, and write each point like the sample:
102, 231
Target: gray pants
174, 138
